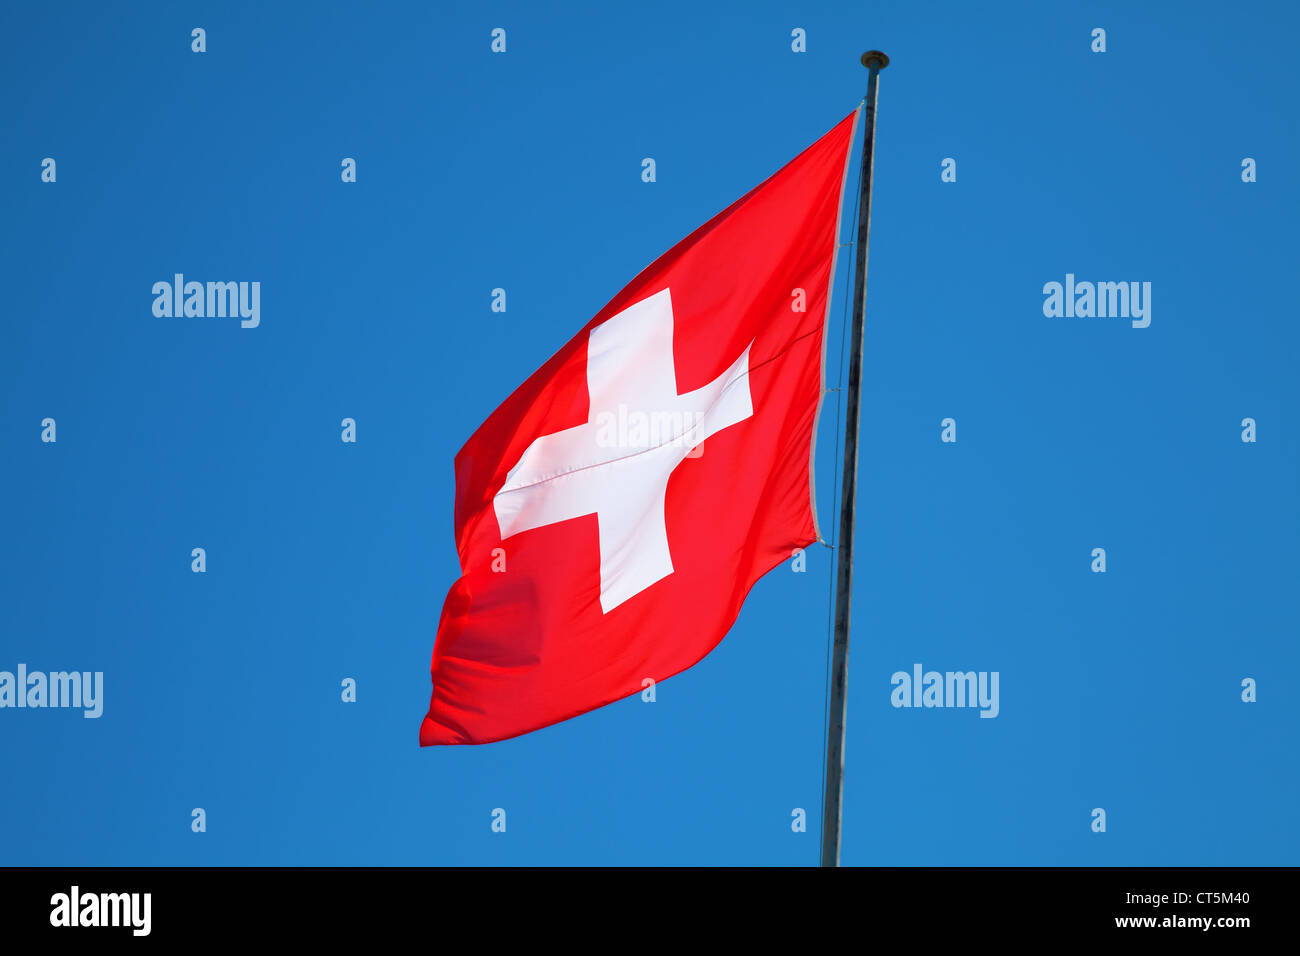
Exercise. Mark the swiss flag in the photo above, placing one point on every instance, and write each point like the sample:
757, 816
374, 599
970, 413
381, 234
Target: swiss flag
613, 513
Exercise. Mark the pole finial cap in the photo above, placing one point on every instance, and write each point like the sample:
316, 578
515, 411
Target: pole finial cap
875, 58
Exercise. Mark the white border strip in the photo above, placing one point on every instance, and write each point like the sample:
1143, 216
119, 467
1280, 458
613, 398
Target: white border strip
826, 324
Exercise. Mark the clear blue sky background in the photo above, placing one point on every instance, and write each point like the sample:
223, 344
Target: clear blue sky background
522, 170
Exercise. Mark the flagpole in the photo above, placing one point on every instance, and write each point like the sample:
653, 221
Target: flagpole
874, 61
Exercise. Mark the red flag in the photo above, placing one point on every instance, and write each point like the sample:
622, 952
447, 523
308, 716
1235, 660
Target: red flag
613, 513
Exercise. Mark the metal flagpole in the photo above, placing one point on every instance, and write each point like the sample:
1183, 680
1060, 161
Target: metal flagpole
874, 61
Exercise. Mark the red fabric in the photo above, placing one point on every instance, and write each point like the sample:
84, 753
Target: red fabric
519, 650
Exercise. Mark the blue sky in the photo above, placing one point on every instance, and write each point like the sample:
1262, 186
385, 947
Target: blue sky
522, 171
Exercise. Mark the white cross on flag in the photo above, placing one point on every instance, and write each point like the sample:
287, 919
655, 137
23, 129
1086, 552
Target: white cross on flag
613, 513
622, 479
